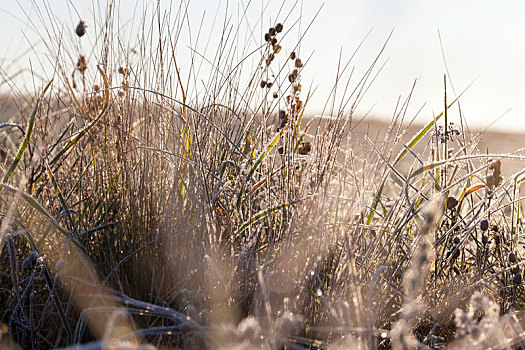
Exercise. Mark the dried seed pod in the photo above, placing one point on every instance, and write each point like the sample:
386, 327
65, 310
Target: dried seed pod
291, 78
277, 49
27, 264
283, 119
451, 203
96, 88
280, 150
274, 41
269, 85
275, 95
33, 256
124, 71
517, 279
263, 83
81, 28
298, 63
267, 37
271, 31
299, 104
515, 270
456, 240
295, 72
297, 88
270, 59
305, 148
454, 253
512, 257
484, 225
82, 64
292, 55
279, 27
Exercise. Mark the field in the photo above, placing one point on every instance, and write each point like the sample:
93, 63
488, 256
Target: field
147, 206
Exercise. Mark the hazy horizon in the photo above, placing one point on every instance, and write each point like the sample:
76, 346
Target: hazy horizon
480, 40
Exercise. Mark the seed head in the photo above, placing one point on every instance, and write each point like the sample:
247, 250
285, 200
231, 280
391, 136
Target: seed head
81, 28
279, 27
455, 253
517, 279
298, 63
512, 257
122, 70
484, 225
82, 64
305, 148
451, 203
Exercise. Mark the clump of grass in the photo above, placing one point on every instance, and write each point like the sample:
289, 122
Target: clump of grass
139, 209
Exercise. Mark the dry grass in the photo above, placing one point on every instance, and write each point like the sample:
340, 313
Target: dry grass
143, 205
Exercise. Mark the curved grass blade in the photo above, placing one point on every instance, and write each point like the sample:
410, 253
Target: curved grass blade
35, 205
27, 137
260, 215
61, 198
84, 131
415, 140
259, 161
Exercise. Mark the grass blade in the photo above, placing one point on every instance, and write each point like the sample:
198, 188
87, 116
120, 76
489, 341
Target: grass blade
27, 137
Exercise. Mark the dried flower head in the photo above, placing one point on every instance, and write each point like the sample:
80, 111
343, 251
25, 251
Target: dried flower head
81, 28
484, 225
123, 70
305, 148
451, 203
82, 64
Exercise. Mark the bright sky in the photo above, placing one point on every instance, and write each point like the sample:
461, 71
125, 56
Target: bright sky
482, 41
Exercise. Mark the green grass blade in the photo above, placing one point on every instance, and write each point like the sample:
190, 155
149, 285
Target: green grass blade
84, 131
35, 205
27, 137
61, 199
415, 140
258, 163
260, 215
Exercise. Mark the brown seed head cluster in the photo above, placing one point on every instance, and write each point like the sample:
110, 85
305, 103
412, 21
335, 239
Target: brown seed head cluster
82, 64
271, 39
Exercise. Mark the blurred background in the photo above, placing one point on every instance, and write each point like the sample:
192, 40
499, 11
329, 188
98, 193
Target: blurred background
480, 42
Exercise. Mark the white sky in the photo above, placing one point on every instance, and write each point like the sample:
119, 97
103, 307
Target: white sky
482, 40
